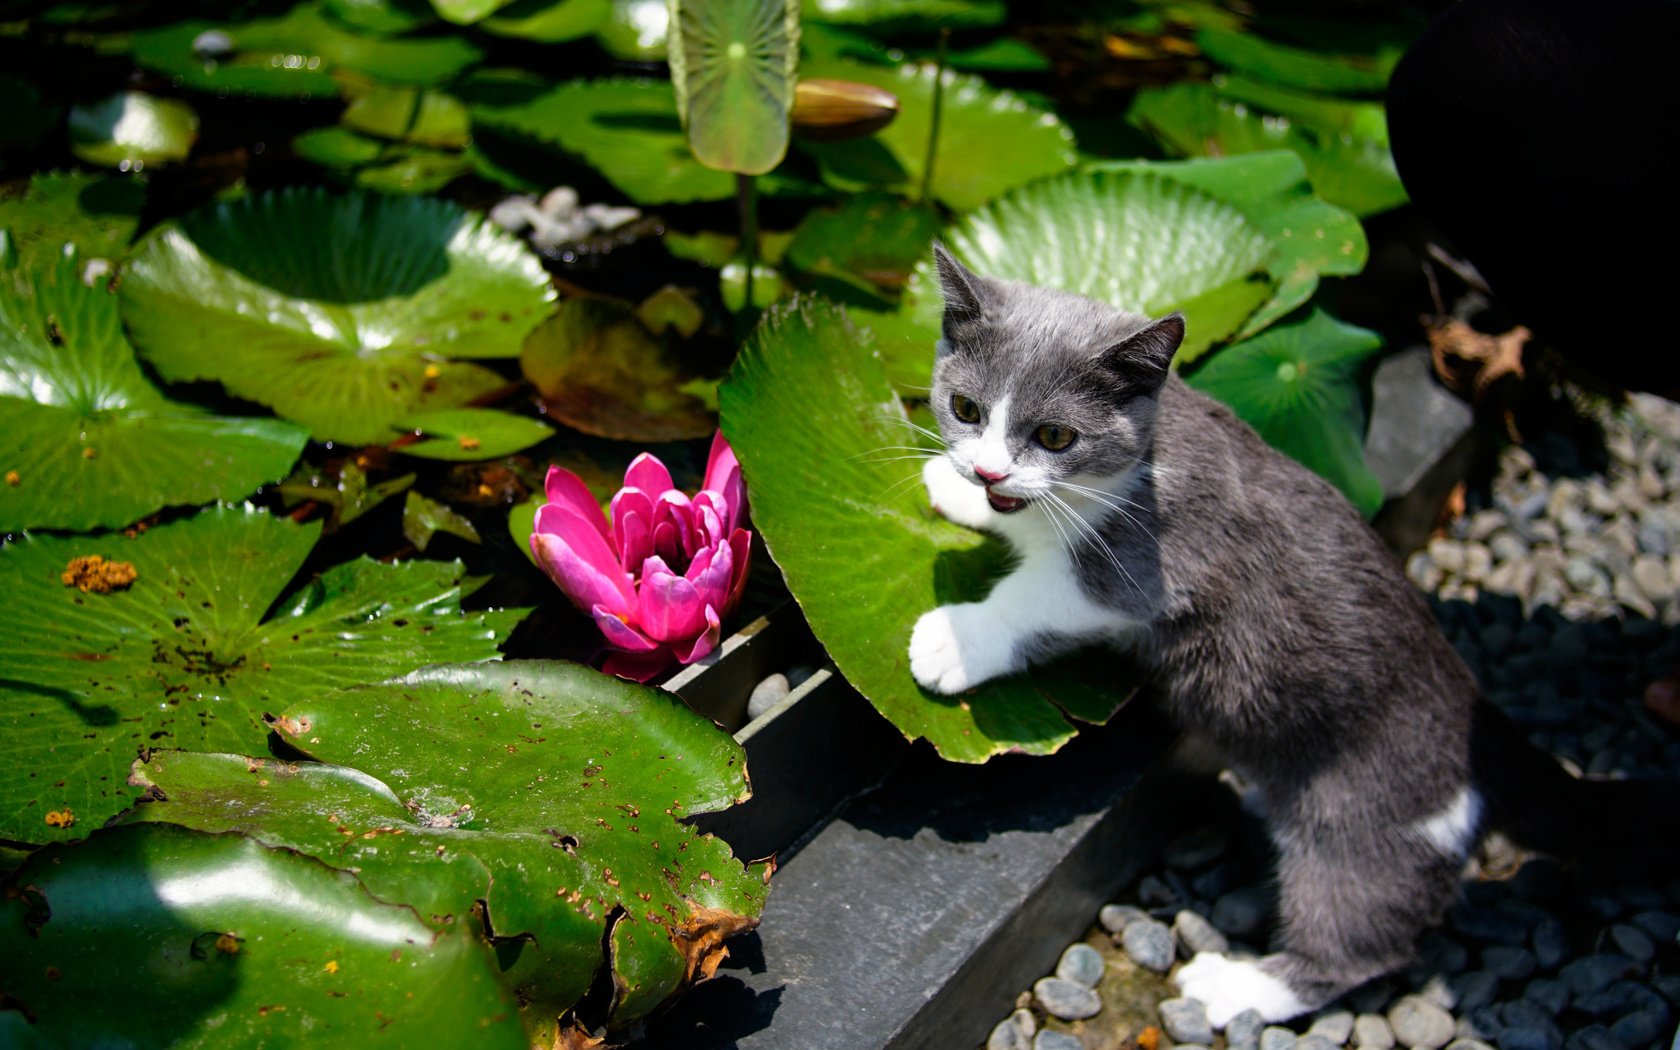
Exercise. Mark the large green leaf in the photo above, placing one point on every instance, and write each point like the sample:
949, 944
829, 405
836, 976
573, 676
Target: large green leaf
635, 30
906, 15
1348, 170
300, 54
810, 413
989, 140
549, 792
96, 213
1300, 385
88, 440
468, 434
466, 12
131, 129
342, 312
425, 118
733, 66
1309, 236
382, 166
548, 21
158, 936
1296, 67
381, 17
184, 657
868, 243
1137, 240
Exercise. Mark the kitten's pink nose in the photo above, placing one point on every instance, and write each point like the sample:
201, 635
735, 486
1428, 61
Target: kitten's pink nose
987, 476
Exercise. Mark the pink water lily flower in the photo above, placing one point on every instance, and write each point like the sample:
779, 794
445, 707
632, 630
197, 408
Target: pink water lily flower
660, 576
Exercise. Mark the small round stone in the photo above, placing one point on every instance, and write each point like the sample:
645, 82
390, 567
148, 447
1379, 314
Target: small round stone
1473, 989
1633, 942
1418, 1022
1594, 973
1149, 944
1507, 961
1242, 1032
1551, 943
1371, 1032
1186, 1021
1468, 1044
1277, 1037
1640, 1028
767, 694
1196, 934
1116, 917
1053, 1040
1241, 912
1550, 995
1315, 1042
1334, 1025
1065, 999
1080, 964
1014, 1032
1527, 1027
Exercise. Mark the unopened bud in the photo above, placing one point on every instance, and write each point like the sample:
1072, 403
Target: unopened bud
826, 110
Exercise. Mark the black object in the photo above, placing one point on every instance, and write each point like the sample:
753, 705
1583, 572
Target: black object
1542, 137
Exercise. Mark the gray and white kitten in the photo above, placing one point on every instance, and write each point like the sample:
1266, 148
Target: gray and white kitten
1269, 619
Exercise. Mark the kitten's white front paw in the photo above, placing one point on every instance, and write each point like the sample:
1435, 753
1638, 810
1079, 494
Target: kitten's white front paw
953, 648
955, 498
1227, 987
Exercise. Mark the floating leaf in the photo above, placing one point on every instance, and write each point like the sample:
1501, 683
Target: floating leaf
600, 372
548, 21
383, 166
350, 496
184, 656
808, 409
297, 55
426, 118
733, 65
424, 518
1300, 386
1019, 142
1298, 68
467, 12
381, 17
240, 945
96, 213
131, 129
467, 434
1366, 120
342, 312
906, 15
549, 792
870, 242
636, 30
88, 440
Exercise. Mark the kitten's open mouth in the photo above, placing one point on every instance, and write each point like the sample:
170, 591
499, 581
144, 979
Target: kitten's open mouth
1003, 504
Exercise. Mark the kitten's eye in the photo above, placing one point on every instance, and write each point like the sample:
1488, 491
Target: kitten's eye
964, 409
1054, 436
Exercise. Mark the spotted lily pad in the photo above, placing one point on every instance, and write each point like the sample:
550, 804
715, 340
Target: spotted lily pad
468, 434
97, 214
185, 655
88, 440
345, 313
545, 797
131, 129
818, 429
733, 64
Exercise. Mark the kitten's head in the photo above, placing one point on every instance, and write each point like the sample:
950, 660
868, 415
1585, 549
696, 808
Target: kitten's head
1035, 387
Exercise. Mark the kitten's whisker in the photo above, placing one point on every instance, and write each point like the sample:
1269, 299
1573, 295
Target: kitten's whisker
1096, 540
917, 427
1051, 514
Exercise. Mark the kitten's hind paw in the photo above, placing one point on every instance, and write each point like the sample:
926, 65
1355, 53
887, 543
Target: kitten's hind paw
1227, 987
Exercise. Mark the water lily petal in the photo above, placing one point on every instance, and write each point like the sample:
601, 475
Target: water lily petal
634, 540
578, 558
740, 548
670, 608
710, 572
566, 489
708, 526
647, 473
706, 642
723, 476
667, 543
639, 667
621, 634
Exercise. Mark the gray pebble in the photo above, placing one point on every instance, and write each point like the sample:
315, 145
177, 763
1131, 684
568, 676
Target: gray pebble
1490, 925
1315, 1042
1436, 990
1660, 925
1242, 1032
1552, 996
1150, 945
1418, 1022
1640, 1027
1551, 943
1153, 893
1483, 1022
1612, 1002
1528, 1027
767, 694
1439, 953
1371, 1032
1241, 912
1277, 1037
1372, 997
1669, 986
1014, 1032
1509, 962
1201, 847
1052, 1040
1473, 989
1334, 1025
1064, 999
1593, 973
1116, 917
1593, 1037
1468, 1044
1080, 964
1186, 1021
1633, 942
1196, 934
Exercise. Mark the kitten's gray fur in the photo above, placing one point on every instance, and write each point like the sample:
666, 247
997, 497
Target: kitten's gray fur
1270, 618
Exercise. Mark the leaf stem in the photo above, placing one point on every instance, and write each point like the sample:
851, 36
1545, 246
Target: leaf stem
746, 202
938, 110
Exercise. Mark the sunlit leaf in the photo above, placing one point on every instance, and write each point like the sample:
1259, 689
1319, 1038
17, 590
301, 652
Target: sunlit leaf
426, 118
548, 21
1296, 67
424, 518
468, 434
96, 213
906, 15
131, 129
733, 65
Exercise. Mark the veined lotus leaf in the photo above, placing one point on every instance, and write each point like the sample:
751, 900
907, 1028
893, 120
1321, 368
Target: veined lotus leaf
906, 15
241, 946
381, 17
297, 55
467, 434
601, 372
837, 495
425, 118
1309, 236
869, 243
635, 30
548, 21
1299, 385
1347, 170
96, 213
424, 518
385, 167
1133, 239
550, 792
467, 12
1019, 141
131, 129
733, 66
1295, 67
1366, 120
183, 656
89, 441
344, 313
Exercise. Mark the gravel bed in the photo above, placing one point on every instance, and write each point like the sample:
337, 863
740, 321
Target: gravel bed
1560, 586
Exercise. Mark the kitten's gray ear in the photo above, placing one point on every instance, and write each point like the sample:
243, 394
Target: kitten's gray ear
1144, 357
965, 292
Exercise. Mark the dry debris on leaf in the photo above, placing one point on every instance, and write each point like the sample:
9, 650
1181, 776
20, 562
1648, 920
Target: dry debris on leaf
701, 940
91, 572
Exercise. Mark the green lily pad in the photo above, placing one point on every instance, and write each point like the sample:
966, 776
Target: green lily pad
297, 55
425, 118
810, 413
1310, 237
548, 21
869, 243
733, 66
1366, 120
385, 167
381, 17
1300, 386
1349, 171
240, 945
96, 213
601, 372
424, 518
467, 12
889, 16
1296, 67
132, 129
468, 434
184, 656
349, 495
635, 30
1134, 239
1019, 141
549, 792
89, 441
344, 313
